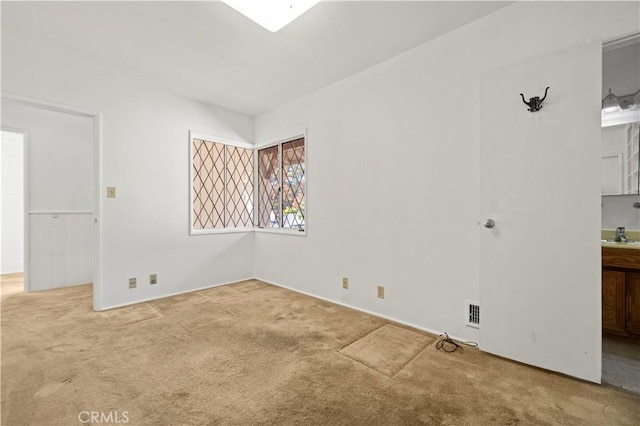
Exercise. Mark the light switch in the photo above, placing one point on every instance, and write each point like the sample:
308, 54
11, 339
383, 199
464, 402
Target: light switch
111, 192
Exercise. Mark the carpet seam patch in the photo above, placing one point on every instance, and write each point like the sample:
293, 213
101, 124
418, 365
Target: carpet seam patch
137, 322
158, 315
241, 294
365, 365
363, 336
404, 365
155, 310
263, 286
380, 372
413, 358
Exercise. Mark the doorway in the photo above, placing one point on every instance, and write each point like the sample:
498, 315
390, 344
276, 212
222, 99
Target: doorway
12, 149
62, 206
620, 189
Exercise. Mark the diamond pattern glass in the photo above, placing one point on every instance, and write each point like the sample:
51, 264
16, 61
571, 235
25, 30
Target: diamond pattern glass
293, 184
208, 185
223, 186
268, 188
239, 188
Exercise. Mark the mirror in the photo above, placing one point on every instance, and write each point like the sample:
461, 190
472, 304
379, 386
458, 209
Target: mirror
621, 116
620, 163
621, 136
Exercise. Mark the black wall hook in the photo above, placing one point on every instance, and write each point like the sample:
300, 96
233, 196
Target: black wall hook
535, 103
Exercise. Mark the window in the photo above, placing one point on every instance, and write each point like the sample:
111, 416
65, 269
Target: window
282, 185
221, 185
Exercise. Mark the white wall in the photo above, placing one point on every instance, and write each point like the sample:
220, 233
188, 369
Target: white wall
145, 155
60, 156
401, 140
11, 207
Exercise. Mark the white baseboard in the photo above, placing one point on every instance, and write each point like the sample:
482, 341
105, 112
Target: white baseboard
435, 333
164, 296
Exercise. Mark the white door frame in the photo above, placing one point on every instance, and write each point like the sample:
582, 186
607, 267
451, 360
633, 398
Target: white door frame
25, 200
97, 183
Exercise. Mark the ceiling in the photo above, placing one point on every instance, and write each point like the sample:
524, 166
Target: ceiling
209, 52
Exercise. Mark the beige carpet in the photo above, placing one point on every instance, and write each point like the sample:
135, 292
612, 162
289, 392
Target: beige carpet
252, 353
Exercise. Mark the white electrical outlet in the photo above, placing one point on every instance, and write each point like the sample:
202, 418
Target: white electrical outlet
345, 283
153, 279
380, 292
132, 283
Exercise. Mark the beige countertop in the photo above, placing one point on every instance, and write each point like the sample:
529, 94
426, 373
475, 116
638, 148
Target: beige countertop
631, 235
632, 246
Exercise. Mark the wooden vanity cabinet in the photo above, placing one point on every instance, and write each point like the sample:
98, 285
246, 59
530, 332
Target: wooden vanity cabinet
613, 309
633, 303
621, 291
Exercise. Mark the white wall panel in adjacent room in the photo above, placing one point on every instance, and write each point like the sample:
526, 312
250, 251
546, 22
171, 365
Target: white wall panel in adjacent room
60, 250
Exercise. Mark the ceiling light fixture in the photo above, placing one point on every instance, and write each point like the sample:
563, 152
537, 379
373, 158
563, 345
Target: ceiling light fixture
611, 103
272, 14
636, 100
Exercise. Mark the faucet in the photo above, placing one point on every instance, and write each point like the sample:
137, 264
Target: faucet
620, 236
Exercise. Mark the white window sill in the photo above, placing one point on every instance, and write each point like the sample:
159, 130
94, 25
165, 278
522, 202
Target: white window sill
282, 231
220, 231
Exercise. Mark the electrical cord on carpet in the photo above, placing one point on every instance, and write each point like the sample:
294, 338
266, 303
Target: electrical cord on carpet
449, 345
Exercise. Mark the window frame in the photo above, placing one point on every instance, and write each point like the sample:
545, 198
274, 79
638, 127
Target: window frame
225, 141
279, 142
255, 148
